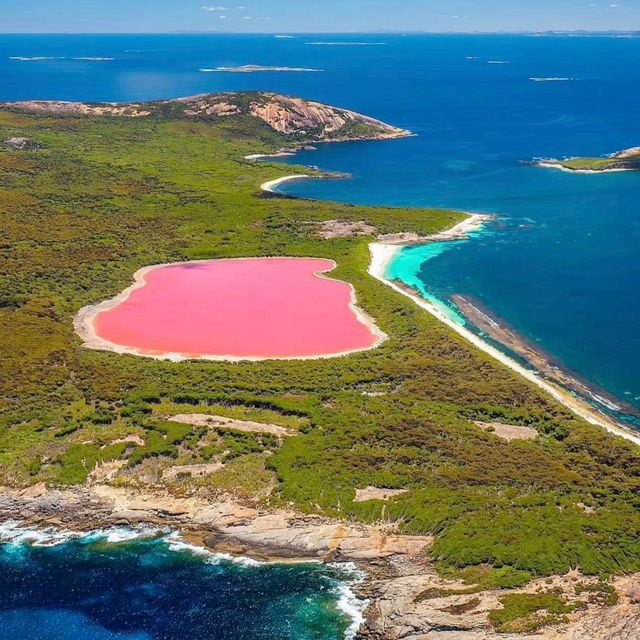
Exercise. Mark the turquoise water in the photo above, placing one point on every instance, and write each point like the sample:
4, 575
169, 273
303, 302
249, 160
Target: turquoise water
407, 265
124, 584
562, 263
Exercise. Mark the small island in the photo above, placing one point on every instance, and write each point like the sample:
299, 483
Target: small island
626, 160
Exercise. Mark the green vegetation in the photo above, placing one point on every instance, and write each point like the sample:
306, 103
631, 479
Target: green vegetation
600, 593
102, 198
523, 612
624, 160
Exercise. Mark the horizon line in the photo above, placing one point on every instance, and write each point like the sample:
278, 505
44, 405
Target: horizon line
332, 33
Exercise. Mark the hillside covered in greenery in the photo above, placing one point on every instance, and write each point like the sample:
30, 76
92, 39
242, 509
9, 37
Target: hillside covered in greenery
94, 199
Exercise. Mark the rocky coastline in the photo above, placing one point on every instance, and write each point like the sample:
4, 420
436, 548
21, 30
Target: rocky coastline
407, 598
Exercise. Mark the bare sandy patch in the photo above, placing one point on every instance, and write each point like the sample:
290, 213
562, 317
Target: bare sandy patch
329, 229
193, 470
220, 422
508, 431
375, 493
106, 471
133, 439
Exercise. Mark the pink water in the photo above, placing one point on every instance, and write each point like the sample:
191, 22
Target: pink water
253, 307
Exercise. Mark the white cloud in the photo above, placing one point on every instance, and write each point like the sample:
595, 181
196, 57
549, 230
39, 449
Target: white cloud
615, 6
222, 17
214, 8
248, 17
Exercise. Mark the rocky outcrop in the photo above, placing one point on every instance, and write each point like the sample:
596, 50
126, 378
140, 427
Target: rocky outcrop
397, 569
618, 623
455, 611
20, 143
301, 120
222, 525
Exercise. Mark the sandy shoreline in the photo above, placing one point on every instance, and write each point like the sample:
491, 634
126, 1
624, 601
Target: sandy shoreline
560, 167
84, 324
382, 254
260, 156
270, 186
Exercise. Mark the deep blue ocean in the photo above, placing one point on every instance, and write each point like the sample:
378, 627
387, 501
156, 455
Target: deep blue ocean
126, 584
561, 264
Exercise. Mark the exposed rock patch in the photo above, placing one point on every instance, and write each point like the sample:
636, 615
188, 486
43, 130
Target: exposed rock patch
133, 439
192, 470
21, 143
220, 422
627, 153
106, 471
329, 229
617, 623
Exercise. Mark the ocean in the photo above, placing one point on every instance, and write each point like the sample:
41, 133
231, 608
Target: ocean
560, 264
145, 584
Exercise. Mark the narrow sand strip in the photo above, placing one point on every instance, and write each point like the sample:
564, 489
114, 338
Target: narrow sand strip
260, 156
559, 167
271, 184
381, 256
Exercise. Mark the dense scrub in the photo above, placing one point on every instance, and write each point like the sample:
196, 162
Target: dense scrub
102, 198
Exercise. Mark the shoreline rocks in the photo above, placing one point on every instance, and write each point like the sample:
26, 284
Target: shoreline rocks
396, 566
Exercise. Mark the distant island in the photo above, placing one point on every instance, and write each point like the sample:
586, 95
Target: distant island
256, 68
626, 160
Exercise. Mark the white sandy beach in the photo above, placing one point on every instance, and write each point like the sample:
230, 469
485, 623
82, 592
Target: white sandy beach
559, 167
382, 254
271, 184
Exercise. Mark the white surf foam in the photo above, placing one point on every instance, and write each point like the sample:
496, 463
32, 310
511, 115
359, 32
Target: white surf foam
348, 602
35, 58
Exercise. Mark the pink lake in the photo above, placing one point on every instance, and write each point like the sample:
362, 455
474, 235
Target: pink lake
241, 308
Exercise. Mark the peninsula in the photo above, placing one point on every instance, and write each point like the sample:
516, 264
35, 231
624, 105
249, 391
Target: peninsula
477, 503
626, 160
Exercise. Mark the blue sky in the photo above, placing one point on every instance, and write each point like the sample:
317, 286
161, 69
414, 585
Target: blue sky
129, 16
